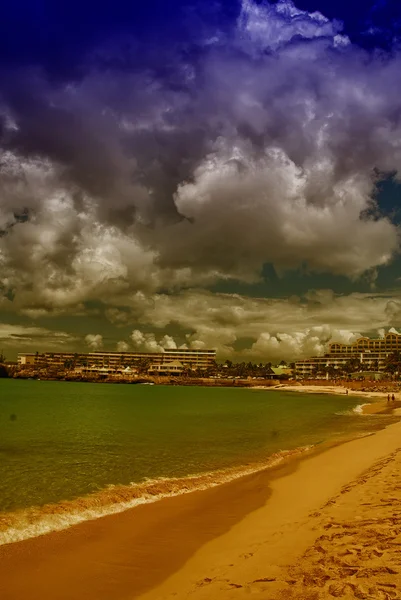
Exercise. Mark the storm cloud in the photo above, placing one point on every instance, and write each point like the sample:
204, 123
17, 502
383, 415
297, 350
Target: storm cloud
259, 142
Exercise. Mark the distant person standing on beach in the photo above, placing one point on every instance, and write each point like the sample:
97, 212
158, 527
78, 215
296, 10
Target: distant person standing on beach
393, 398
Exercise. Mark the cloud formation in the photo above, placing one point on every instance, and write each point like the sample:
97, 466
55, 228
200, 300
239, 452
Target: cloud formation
147, 342
258, 143
94, 341
240, 327
34, 339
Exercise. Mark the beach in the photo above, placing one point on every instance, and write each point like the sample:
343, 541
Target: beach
380, 404
336, 534
331, 528
322, 525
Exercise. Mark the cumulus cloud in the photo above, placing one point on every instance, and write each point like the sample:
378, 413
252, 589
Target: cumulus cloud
122, 346
237, 327
134, 187
299, 344
264, 145
94, 341
147, 342
259, 328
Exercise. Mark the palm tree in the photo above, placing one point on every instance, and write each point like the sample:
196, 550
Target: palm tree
143, 365
393, 363
352, 365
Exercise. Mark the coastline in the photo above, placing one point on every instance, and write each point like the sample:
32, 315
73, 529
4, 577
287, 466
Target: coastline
188, 544
340, 538
25, 523
29, 523
380, 406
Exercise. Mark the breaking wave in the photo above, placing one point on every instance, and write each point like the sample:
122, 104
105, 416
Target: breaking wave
352, 411
35, 521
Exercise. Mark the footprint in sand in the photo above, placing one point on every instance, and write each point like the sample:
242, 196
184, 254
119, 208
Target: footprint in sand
246, 555
204, 581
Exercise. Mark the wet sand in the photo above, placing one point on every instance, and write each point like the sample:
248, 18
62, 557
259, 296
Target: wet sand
247, 536
122, 555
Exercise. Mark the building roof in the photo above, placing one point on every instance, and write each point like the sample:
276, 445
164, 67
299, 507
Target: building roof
172, 363
281, 370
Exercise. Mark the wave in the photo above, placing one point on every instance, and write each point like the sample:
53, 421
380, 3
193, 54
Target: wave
35, 521
353, 411
359, 409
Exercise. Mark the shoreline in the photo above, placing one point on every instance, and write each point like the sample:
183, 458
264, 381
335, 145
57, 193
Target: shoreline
156, 547
133, 547
25, 524
31, 522
277, 551
380, 406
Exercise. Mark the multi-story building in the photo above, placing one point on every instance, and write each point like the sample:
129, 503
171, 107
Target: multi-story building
194, 359
366, 353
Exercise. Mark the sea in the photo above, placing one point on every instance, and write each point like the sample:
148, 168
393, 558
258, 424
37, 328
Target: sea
73, 451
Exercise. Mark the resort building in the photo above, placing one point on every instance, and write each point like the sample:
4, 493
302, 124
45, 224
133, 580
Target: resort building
174, 367
364, 354
118, 361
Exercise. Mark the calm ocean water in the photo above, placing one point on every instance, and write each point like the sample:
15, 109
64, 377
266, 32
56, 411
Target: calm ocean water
62, 441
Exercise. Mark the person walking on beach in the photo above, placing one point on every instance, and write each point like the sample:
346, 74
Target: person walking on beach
393, 398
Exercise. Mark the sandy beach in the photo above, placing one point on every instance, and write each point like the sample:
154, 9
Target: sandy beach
328, 525
331, 528
372, 402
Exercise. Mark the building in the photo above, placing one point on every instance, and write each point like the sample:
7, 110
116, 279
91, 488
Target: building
364, 354
372, 375
175, 367
26, 359
113, 361
281, 371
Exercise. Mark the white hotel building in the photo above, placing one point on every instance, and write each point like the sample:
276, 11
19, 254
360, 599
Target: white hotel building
371, 354
113, 361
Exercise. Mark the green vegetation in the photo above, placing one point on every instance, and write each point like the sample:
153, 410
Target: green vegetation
3, 368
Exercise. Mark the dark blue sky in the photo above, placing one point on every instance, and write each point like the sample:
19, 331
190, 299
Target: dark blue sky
58, 35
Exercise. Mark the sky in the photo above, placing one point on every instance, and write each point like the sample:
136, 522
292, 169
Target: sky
205, 175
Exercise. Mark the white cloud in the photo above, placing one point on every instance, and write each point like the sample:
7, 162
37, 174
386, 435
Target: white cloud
122, 346
265, 329
94, 341
299, 344
239, 210
271, 26
147, 342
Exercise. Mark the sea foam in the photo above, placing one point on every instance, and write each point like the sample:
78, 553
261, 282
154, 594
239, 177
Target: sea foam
35, 521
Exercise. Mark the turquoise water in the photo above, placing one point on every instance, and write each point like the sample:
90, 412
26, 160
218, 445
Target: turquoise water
62, 440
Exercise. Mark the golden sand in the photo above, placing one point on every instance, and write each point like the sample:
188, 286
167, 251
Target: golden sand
330, 529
